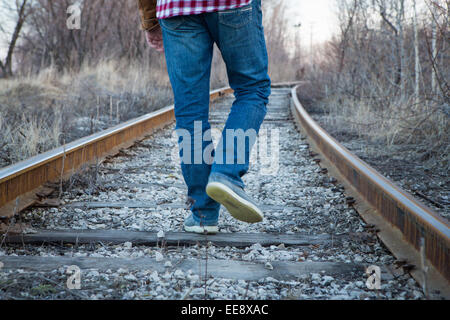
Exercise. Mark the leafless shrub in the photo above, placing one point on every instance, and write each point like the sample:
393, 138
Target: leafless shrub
38, 112
379, 72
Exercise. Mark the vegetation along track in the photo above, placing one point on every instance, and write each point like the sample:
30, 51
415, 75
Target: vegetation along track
120, 223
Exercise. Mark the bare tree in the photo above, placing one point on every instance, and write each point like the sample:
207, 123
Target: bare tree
434, 54
398, 13
389, 69
438, 49
22, 13
347, 21
109, 29
417, 55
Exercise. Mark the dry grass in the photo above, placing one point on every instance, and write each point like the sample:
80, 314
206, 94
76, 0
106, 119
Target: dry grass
425, 126
40, 112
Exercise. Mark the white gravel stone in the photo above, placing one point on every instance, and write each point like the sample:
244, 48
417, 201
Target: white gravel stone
129, 295
326, 280
159, 257
154, 276
93, 274
122, 271
168, 264
194, 278
128, 245
179, 274
315, 277
130, 277
197, 291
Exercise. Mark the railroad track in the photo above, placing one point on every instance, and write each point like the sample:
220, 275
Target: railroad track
120, 221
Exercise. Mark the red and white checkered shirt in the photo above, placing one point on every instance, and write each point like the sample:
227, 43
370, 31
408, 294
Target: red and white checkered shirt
172, 8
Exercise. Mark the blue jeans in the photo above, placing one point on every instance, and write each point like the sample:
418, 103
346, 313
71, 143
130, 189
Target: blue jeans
188, 44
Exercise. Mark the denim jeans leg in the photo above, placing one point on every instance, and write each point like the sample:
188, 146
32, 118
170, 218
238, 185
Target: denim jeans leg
189, 48
239, 35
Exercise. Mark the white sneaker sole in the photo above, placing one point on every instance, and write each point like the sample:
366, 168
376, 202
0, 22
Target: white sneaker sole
238, 207
202, 230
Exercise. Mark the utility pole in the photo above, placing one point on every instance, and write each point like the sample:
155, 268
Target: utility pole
433, 54
417, 55
400, 8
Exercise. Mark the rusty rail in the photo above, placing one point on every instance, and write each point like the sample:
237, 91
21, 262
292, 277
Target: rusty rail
22, 181
402, 220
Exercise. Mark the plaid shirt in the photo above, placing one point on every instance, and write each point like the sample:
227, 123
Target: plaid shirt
171, 8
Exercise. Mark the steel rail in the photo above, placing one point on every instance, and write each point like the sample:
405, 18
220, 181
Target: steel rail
400, 218
19, 183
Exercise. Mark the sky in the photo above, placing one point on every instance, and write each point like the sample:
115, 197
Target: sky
317, 18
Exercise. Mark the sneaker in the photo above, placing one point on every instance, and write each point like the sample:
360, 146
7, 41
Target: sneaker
190, 225
234, 198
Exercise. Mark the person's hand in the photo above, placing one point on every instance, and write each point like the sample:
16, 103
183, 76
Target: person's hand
155, 39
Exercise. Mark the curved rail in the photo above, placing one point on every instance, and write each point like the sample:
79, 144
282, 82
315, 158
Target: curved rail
399, 214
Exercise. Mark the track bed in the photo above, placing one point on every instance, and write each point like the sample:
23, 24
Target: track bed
123, 228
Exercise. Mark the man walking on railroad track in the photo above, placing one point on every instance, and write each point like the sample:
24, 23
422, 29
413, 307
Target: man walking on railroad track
186, 31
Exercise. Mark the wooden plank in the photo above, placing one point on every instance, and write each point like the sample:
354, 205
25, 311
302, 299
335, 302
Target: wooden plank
147, 204
24, 201
139, 170
171, 238
144, 185
227, 269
